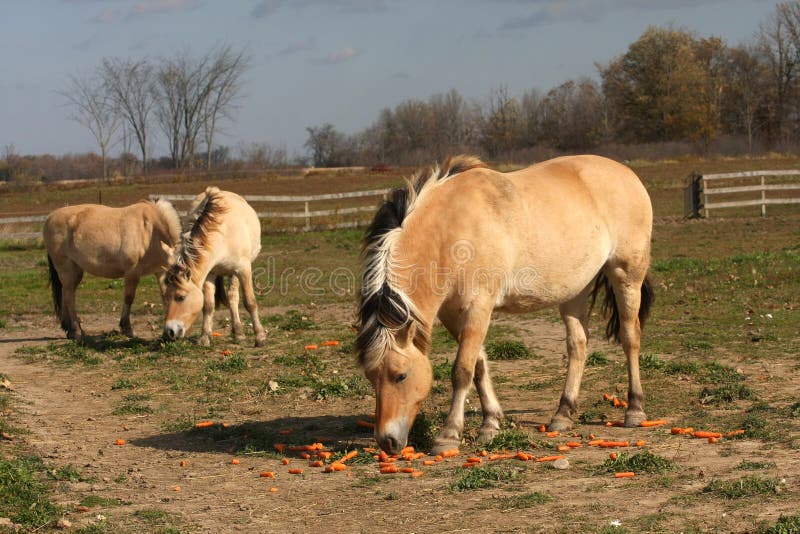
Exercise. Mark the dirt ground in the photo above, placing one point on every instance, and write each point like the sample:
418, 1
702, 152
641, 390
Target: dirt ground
68, 411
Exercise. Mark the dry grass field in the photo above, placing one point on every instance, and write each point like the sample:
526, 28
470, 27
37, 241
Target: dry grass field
721, 353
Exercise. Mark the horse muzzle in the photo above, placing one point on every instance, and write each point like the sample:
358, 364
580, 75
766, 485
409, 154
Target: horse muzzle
393, 437
173, 330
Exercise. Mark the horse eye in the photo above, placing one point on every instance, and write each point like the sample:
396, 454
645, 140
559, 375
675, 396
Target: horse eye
179, 298
400, 378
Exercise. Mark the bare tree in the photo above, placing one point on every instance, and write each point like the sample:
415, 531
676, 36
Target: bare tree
130, 84
224, 80
94, 108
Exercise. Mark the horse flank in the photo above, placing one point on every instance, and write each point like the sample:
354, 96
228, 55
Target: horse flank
384, 310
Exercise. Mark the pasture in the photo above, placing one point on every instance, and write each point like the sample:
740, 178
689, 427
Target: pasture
720, 353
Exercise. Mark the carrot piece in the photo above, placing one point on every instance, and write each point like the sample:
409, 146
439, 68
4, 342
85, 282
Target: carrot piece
184, 463
177, 488
450, 453
606, 397
428, 462
613, 455
499, 456
474, 460
483, 453
615, 423
266, 474
215, 334
734, 433
624, 474
608, 444
641, 443
591, 436
563, 448
416, 474
296, 471
316, 463
311, 347
389, 469
595, 442
226, 352
713, 440
235, 461
338, 466
438, 458
364, 424
280, 447
654, 422
552, 434
406, 450
285, 461
387, 460
385, 464
368, 449
273, 489
418, 455
542, 428
616, 402
406, 469
468, 465
204, 424
305, 456
331, 343
522, 456
350, 455
324, 454
119, 441
676, 430
573, 444
550, 458
382, 456
706, 434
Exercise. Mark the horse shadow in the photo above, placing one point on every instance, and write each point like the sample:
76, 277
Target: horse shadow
335, 431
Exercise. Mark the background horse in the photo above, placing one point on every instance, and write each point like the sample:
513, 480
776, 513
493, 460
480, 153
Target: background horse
108, 242
224, 239
463, 240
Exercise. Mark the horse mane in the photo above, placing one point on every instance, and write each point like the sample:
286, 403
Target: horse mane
384, 310
173, 219
204, 219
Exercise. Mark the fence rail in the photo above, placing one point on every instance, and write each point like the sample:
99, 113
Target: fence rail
701, 195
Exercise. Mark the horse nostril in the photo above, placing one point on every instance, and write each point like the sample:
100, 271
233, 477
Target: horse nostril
390, 445
169, 333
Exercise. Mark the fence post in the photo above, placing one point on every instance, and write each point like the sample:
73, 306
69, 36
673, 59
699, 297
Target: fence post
308, 218
691, 196
763, 198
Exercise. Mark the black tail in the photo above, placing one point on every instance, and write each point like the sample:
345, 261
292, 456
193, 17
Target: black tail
220, 293
55, 287
609, 307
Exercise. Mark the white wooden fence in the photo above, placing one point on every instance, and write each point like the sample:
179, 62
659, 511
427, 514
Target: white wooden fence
707, 192
307, 214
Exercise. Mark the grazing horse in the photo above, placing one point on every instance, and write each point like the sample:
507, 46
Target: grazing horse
108, 242
463, 240
224, 239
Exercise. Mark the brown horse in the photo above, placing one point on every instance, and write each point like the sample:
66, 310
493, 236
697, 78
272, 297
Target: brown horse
463, 240
224, 239
108, 242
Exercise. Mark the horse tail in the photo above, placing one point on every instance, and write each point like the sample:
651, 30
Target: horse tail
220, 293
55, 286
610, 309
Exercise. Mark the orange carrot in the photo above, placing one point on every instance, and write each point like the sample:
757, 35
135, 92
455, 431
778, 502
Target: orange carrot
418, 455
563, 448
368, 449
591, 436
389, 469
119, 441
552, 434
305, 456
438, 458
734, 433
285, 461
416, 474
215, 334
311, 347
406, 469
613, 455
606, 397
615, 423
226, 352
350, 455
676, 430
183, 463
331, 343
382, 456
315, 463
406, 450
324, 454
177, 488
204, 424
428, 462
280, 447
484, 453
385, 464
266, 474
499, 456
235, 461
654, 422
616, 402
641, 443
338, 466
474, 460
273, 489
295, 471
713, 440
550, 458
573, 444
595, 442
706, 434
624, 474
364, 424
522, 456
542, 428
608, 444
468, 465
450, 453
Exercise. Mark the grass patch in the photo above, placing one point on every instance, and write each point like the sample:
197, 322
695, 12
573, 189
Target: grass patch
596, 359
67, 473
642, 462
511, 439
489, 476
745, 465
423, 432
744, 487
292, 321
651, 362
93, 501
232, 364
508, 350
759, 422
786, 524
726, 394
443, 371
526, 500
24, 493
124, 383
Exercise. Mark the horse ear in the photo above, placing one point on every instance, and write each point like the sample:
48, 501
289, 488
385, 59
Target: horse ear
170, 252
406, 334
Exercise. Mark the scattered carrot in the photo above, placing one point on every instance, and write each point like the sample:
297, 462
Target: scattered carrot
316, 463
296, 471
563, 448
713, 440
311, 347
654, 422
428, 462
542, 428
266, 474
573, 444
350, 455
406, 450
204, 424
591, 436
285, 461
324, 454
368, 449
609, 444
522, 456
624, 474
226, 352
438, 458
450, 453
273, 489
389, 469
280, 447
235, 461
705, 434
474, 460
331, 343
613, 455
382, 456
365, 424
177, 488
483, 453
595, 442
676, 430
501, 456
615, 423
606, 397
616, 402
734, 433
550, 458
305, 456
385, 464
183, 463
641, 443
418, 455
552, 434
338, 466
215, 334
119, 442
468, 465
416, 474
407, 469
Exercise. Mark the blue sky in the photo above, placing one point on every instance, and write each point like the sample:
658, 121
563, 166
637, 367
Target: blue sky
337, 61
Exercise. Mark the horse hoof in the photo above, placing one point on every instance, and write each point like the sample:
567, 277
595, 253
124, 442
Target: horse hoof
205, 341
261, 342
560, 423
634, 418
444, 444
487, 434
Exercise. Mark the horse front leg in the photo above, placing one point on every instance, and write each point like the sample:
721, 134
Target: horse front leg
131, 283
248, 293
208, 312
630, 336
471, 336
233, 304
576, 359
70, 278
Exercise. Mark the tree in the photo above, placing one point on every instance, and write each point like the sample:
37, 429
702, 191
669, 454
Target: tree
93, 107
502, 123
130, 84
326, 145
744, 93
225, 81
572, 115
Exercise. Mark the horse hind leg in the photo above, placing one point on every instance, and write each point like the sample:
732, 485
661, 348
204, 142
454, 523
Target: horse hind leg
575, 315
131, 283
248, 293
70, 275
209, 289
233, 304
492, 411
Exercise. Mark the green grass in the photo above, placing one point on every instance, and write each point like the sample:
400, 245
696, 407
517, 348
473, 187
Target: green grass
94, 501
65, 473
749, 486
480, 477
596, 359
726, 394
231, 364
423, 431
526, 500
511, 439
746, 465
24, 493
642, 462
508, 350
786, 524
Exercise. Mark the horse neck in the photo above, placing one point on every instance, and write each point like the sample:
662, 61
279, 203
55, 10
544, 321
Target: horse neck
416, 278
204, 261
